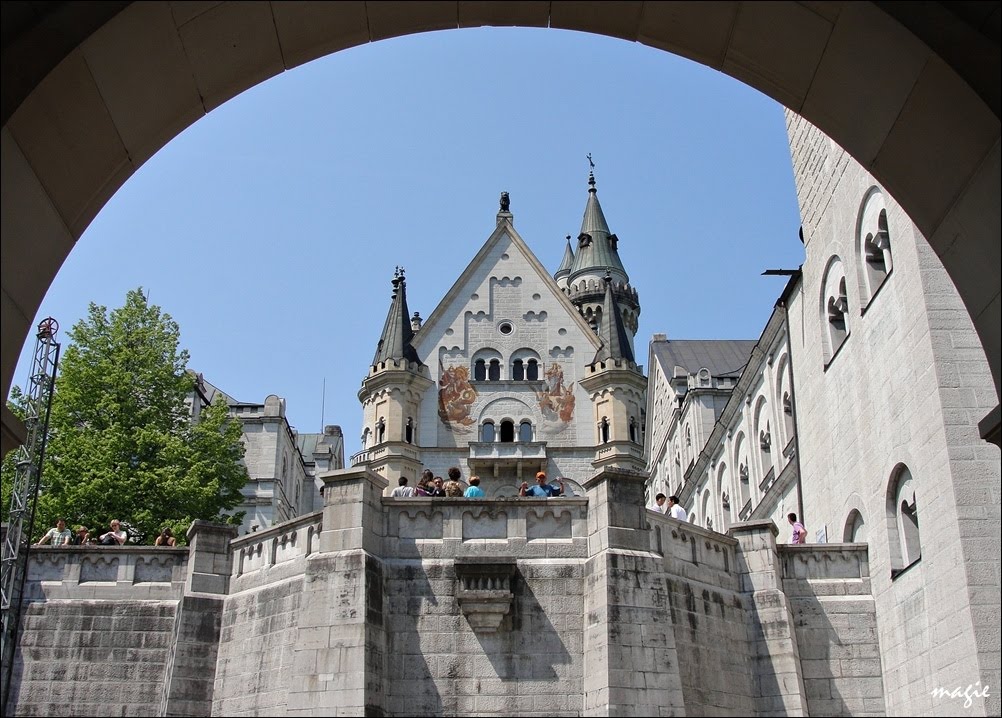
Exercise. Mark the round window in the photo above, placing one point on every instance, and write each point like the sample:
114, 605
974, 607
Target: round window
506, 327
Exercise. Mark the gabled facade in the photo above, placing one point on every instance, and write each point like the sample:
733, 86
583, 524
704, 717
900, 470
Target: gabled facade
512, 373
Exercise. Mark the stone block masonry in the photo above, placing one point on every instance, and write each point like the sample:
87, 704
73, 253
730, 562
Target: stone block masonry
596, 607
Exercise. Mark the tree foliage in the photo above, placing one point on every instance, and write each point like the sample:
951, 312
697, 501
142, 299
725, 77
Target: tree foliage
122, 440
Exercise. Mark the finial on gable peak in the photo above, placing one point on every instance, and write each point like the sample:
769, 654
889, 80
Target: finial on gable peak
505, 202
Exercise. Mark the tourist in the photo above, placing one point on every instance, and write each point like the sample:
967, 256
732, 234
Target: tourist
81, 536
453, 487
58, 536
675, 509
437, 488
115, 537
799, 532
473, 491
541, 489
660, 501
403, 491
166, 538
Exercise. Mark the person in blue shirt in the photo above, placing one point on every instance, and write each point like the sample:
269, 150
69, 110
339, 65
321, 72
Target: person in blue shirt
473, 491
542, 489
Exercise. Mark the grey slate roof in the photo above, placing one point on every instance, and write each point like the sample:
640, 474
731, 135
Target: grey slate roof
600, 253
567, 262
722, 357
395, 341
307, 444
615, 340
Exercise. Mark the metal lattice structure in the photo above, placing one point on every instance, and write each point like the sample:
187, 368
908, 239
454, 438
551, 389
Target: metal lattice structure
24, 492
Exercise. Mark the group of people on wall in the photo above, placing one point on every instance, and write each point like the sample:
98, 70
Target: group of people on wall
60, 535
670, 506
436, 487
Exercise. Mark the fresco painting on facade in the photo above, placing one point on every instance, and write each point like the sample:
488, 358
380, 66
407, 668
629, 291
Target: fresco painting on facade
455, 397
556, 401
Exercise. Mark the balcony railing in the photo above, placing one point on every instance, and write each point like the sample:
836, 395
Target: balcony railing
507, 451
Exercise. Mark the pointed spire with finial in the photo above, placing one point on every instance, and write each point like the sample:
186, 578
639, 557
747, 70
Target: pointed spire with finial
597, 246
564, 270
395, 341
615, 338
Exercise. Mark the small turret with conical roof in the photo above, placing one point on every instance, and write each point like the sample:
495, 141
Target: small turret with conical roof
395, 341
564, 270
597, 257
615, 338
391, 394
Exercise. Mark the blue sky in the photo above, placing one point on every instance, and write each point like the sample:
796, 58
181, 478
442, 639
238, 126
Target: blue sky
269, 229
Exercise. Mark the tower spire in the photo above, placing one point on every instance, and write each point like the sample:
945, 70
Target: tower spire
597, 247
612, 331
395, 341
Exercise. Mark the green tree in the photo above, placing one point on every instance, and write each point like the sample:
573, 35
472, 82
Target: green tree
122, 441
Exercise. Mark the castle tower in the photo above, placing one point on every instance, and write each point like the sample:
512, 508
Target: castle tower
617, 388
598, 255
391, 395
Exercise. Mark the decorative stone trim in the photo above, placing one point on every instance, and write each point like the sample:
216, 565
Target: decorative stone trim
485, 590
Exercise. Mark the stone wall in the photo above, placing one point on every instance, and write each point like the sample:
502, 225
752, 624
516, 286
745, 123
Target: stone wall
829, 591
96, 630
590, 605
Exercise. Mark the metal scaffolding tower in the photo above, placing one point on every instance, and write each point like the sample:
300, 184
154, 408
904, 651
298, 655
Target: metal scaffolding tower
24, 492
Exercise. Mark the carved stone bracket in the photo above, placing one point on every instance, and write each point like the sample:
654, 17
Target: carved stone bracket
485, 590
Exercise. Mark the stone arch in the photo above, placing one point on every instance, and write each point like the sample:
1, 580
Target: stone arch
834, 308
925, 123
873, 246
855, 528
903, 539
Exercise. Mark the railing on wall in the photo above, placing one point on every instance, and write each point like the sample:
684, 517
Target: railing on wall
520, 527
106, 572
265, 551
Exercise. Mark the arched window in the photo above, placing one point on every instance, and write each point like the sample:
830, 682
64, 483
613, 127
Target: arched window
479, 370
380, 431
494, 370
834, 309
873, 246
532, 370
705, 510
744, 475
633, 429
788, 416
603, 431
507, 431
525, 432
409, 431
855, 528
517, 370
487, 432
365, 437
725, 499
902, 521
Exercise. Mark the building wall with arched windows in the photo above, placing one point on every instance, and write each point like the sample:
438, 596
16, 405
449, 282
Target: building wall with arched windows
858, 410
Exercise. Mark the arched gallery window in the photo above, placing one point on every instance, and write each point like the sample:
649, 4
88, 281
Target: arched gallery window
487, 432
873, 246
525, 432
855, 528
902, 521
507, 431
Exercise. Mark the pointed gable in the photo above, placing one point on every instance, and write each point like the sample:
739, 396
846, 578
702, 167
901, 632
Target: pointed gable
503, 249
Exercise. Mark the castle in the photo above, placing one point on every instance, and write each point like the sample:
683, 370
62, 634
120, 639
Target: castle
856, 409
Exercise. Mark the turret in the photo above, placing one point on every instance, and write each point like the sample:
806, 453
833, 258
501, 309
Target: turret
391, 395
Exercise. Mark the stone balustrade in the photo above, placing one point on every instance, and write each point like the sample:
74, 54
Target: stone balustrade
263, 557
456, 527
105, 572
692, 549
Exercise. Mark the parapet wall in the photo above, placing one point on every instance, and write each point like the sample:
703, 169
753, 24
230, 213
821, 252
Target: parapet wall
380, 606
828, 586
96, 630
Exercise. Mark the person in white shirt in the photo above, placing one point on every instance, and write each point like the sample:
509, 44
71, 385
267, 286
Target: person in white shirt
115, 537
660, 501
675, 510
403, 490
